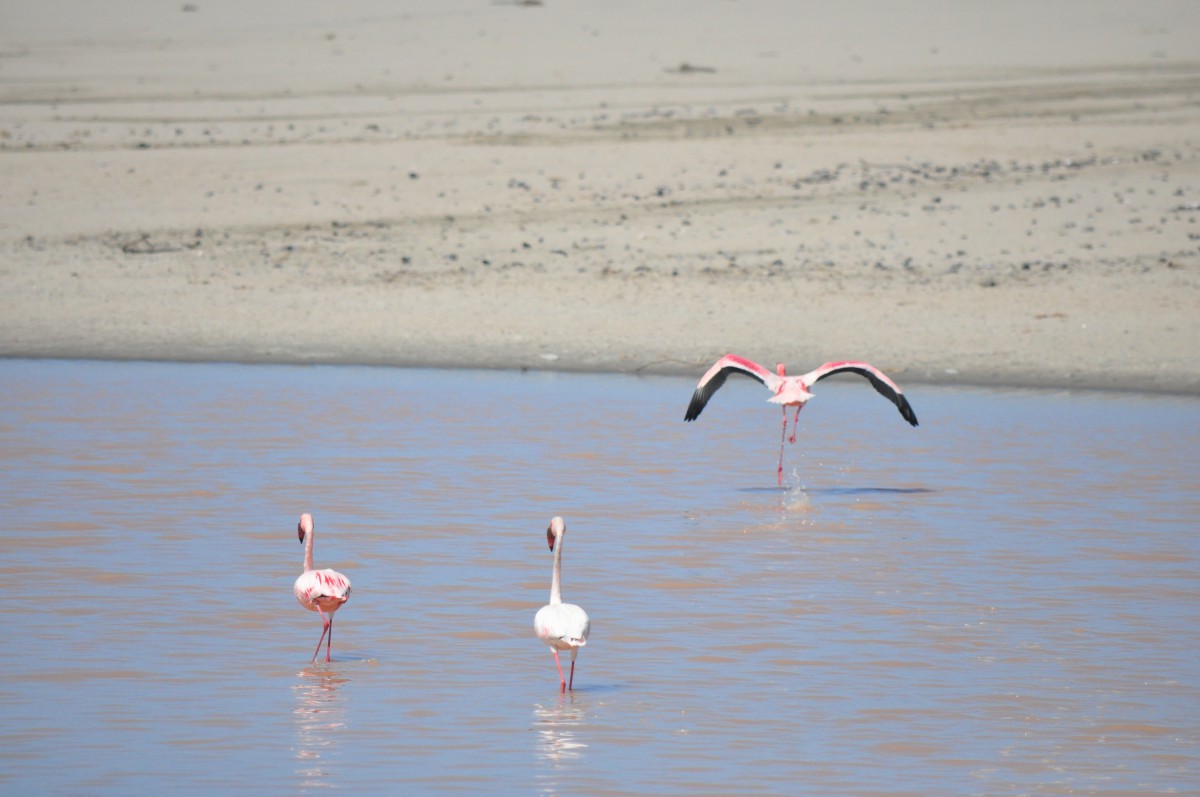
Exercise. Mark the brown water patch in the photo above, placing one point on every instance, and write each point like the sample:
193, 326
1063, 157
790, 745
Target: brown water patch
906, 749
78, 674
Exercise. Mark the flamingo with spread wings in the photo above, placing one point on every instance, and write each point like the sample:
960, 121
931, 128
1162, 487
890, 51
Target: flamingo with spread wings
792, 391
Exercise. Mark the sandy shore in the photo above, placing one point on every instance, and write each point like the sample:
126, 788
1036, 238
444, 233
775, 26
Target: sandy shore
956, 194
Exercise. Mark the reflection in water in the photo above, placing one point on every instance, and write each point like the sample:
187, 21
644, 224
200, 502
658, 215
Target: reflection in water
320, 718
558, 730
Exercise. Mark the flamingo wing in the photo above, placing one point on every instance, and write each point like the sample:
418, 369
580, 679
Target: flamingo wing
711, 382
884, 386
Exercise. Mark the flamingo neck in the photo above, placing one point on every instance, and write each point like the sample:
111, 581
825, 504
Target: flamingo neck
308, 546
556, 578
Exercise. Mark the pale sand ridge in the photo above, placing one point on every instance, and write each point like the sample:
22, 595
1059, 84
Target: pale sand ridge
1006, 195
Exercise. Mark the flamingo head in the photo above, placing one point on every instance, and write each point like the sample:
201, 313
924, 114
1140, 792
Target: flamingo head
555, 531
304, 527
779, 369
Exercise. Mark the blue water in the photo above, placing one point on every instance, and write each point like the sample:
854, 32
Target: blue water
1005, 600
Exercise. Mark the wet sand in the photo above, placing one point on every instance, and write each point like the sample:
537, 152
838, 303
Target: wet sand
1004, 196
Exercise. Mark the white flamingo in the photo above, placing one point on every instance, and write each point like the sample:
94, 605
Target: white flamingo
319, 591
792, 391
562, 626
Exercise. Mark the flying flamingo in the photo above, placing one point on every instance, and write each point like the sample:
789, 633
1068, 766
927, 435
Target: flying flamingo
791, 391
562, 626
319, 591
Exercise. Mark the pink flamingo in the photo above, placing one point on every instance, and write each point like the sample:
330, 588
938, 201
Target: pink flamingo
562, 626
791, 391
319, 591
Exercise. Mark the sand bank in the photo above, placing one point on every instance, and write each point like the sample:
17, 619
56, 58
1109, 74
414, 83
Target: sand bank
1006, 195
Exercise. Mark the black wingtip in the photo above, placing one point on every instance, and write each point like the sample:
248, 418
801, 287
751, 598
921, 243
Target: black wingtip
906, 410
695, 407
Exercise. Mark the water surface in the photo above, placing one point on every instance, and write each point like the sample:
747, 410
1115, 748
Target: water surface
1005, 600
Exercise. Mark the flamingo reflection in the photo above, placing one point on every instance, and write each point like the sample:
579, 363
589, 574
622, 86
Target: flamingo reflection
558, 730
320, 717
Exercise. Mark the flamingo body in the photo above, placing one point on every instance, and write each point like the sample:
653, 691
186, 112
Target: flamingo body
320, 591
561, 626
327, 589
792, 391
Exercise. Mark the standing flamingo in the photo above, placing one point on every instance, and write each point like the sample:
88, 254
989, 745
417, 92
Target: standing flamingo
562, 626
319, 591
791, 391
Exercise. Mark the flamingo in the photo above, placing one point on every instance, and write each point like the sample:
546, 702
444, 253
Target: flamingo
319, 591
562, 626
792, 391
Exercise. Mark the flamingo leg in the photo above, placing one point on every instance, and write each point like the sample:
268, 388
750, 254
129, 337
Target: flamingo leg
795, 422
782, 437
558, 664
324, 628
571, 683
329, 641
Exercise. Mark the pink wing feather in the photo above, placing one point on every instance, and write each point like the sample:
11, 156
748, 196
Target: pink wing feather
712, 380
882, 384
314, 585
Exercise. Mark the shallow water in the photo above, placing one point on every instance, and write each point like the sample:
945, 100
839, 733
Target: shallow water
1005, 600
